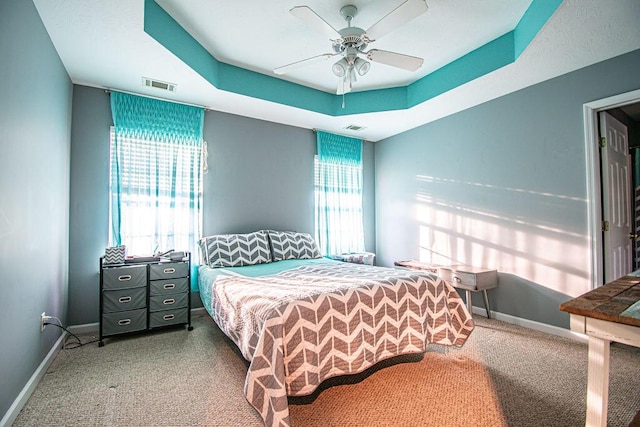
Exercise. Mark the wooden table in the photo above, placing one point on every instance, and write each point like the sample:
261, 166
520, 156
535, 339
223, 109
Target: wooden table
608, 313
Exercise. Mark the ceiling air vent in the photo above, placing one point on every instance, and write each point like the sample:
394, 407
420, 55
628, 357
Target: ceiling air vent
354, 127
171, 87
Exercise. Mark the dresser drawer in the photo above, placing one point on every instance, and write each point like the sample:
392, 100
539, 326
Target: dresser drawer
168, 317
168, 270
124, 277
124, 299
168, 286
124, 321
167, 302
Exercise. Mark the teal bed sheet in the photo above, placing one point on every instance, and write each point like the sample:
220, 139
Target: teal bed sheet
208, 275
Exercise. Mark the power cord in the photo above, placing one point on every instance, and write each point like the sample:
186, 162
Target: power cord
77, 344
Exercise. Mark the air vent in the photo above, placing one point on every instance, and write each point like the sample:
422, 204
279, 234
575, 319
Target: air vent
171, 87
354, 127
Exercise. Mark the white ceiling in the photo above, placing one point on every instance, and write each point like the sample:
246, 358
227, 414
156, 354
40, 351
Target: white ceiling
102, 43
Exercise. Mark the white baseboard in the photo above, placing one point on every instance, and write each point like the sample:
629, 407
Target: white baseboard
86, 328
31, 385
532, 324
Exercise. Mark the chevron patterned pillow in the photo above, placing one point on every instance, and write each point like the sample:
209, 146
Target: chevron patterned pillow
292, 245
235, 250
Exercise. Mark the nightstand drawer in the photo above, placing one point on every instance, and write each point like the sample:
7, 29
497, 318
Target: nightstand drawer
169, 286
168, 317
124, 299
464, 280
167, 302
470, 278
124, 277
168, 270
124, 321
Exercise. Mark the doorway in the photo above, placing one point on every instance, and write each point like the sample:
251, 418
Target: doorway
628, 105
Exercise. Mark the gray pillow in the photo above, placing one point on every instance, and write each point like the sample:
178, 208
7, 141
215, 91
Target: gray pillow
292, 245
235, 250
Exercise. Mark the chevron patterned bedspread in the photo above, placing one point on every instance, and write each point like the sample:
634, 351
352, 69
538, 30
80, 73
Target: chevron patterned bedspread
302, 326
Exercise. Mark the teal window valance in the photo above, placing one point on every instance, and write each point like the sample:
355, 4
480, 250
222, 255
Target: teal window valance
339, 149
152, 119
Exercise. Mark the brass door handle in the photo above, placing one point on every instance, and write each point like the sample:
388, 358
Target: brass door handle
633, 235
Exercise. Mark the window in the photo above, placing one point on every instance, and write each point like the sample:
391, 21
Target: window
338, 194
155, 184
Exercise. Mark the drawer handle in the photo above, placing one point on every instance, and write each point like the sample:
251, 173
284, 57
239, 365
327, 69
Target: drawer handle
169, 270
124, 322
169, 301
169, 285
124, 300
168, 317
124, 278
457, 279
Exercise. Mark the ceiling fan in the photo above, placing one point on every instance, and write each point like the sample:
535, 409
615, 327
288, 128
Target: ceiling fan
351, 42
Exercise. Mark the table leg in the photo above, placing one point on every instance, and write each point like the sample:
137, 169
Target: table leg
598, 382
486, 303
469, 306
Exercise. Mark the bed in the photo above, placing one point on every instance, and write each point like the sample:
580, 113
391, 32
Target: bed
299, 318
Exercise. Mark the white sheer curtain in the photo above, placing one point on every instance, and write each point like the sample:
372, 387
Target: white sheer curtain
156, 175
338, 194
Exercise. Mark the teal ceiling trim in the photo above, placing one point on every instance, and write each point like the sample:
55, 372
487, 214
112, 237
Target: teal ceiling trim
166, 31
485, 59
496, 54
370, 101
257, 85
532, 22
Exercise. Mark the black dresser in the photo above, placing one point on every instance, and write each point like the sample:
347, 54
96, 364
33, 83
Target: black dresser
143, 295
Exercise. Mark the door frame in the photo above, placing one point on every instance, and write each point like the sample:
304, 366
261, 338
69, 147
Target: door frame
594, 188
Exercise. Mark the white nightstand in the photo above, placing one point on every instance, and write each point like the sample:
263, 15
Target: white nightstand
470, 279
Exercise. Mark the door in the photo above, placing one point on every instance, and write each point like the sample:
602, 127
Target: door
616, 197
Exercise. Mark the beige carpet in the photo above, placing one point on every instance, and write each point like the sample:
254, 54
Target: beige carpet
504, 376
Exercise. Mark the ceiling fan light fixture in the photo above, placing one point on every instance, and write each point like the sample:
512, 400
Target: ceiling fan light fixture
340, 68
362, 67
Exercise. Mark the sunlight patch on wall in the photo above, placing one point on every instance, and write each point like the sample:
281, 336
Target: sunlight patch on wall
508, 238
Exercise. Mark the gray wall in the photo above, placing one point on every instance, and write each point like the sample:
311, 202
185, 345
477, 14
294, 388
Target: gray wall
35, 121
89, 209
260, 176
501, 185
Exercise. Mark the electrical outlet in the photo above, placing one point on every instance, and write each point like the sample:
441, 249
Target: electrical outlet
43, 318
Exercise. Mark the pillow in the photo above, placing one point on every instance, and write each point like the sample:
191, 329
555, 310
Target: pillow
235, 250
292, 245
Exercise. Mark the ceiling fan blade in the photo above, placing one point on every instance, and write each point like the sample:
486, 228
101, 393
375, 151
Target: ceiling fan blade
303, 63
314, 20
399, 60
397, 17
